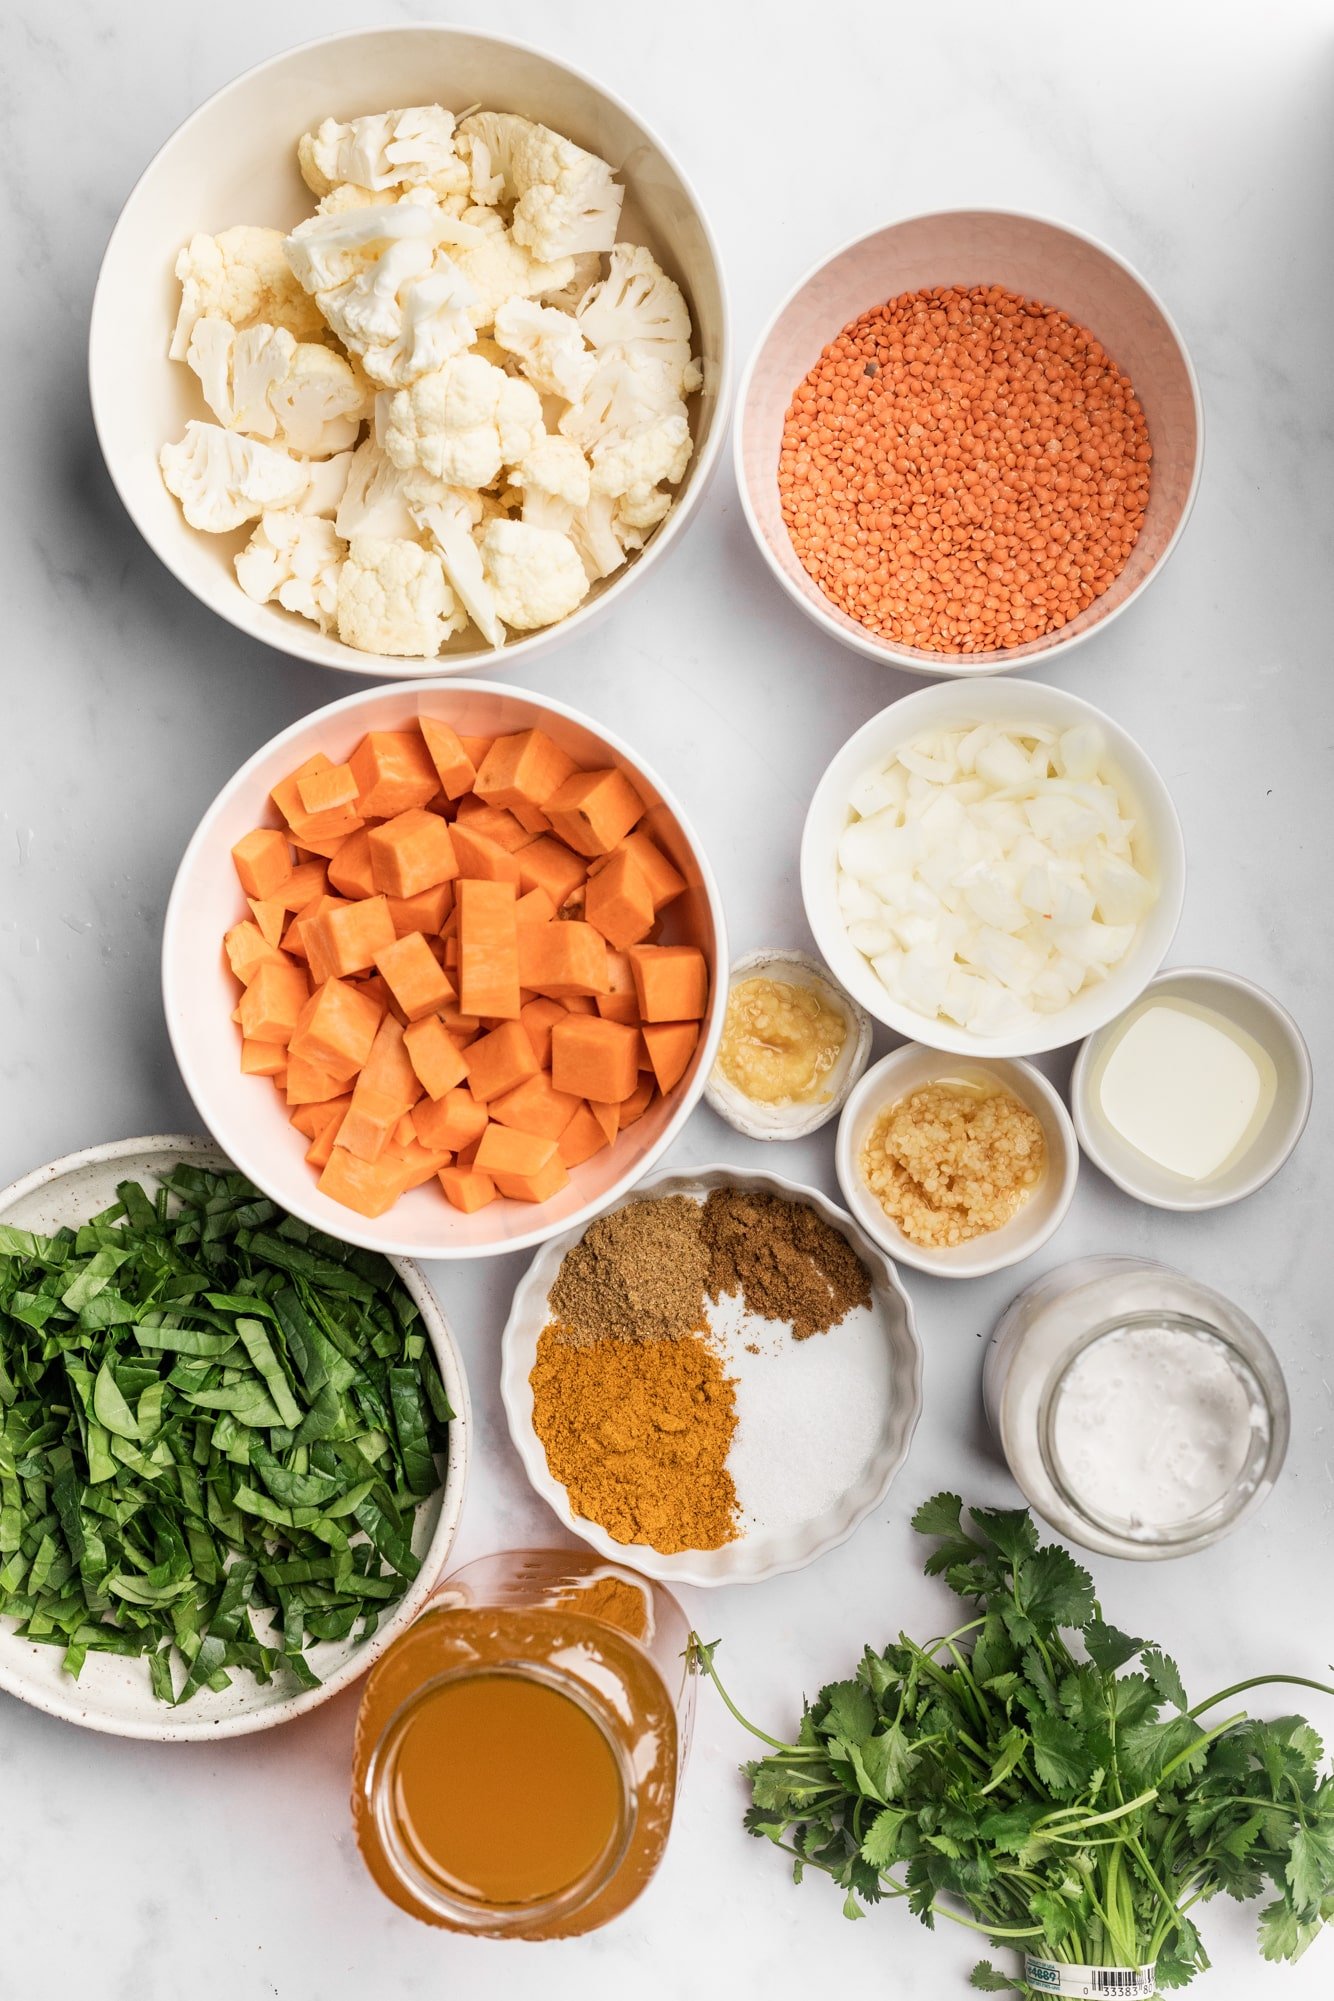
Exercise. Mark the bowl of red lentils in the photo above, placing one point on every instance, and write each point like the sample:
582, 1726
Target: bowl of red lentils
968, 440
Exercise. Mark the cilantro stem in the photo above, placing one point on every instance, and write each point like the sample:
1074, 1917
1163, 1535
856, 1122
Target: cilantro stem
700, 1654
1260, 1681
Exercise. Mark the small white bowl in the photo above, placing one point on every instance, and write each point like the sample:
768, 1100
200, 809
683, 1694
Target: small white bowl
1024, 253
907, 1069
113, 1694
246, 1116
234, 161
870, 1363
1260, 1016
1159, 851
794, 1120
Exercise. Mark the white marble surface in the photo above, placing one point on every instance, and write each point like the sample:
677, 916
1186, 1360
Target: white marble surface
1197, 139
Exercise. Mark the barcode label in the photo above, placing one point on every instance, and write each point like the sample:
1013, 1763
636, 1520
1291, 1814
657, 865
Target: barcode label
1090, 1983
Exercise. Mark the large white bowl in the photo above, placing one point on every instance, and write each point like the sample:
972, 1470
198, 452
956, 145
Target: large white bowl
244, 1114
234, 161
1159, 851
113, 1694
980, 246
881, 1375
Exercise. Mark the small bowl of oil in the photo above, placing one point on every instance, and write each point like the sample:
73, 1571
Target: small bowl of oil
794, 1043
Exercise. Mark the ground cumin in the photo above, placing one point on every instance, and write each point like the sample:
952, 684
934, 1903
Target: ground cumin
637, 1274
783, 1258
638, 1432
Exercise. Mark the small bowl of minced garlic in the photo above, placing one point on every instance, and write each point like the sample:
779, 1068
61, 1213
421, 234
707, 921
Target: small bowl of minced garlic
794, 1044
956, 1165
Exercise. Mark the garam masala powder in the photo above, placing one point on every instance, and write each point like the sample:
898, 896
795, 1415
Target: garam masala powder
630, 1397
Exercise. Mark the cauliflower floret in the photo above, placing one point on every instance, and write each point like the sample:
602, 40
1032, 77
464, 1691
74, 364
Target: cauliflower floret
347, 195
486, 187
241, 275
382, 500
393, 598
565, 200
498, 268
593, 532
535, 573
389, 291
450, 527
638, 513
294, 558
328, 483
462, 423
223, 479
640, 459
587, 271
626, 392
263, 382
554, 480
638, 310
390, 149
549, 347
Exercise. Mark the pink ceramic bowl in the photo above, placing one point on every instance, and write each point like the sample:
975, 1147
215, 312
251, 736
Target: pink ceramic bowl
245, 1115
1024, 253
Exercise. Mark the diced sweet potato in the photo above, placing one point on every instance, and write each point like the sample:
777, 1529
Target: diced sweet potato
481, 858
638, 1101
548, 864
324, 791
262, 1059
664, 878
524, 1167
581, 1138
621, 1002
563, 958
488, 949
500, 1060
350, 871
388, 1068
313, 830
607, 1115
493, 823
369, 1122
593, 1058
308, 1084
394, 773
315, 1118
366, 1186
336, 1028
454, 767
307, 881
321, 1147
303, 936
419, 1163
263, 861
411, 852
534, 908
467, 1188
476, 748
579, 1003
594, 810
427, 912
270, 914
414, 977
532, 819
671, 1044
523, 770
535, 1106
672, 982
453, 1123
618, 901
273, 1000
248, 949
435, 1056
350, 935
538, 1018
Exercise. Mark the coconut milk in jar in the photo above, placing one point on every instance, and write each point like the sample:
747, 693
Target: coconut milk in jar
1142, 1413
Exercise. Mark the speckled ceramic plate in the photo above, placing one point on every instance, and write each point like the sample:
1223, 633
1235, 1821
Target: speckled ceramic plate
113, 1694
824, 1424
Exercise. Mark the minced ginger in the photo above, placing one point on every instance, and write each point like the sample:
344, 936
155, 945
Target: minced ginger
951, 1162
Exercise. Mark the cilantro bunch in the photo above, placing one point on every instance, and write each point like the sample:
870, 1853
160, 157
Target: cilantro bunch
1018, 1777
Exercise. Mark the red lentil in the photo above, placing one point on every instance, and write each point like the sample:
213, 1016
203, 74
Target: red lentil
964, 471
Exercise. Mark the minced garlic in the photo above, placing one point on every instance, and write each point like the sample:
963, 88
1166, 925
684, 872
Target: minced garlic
952, 1161
780, 1041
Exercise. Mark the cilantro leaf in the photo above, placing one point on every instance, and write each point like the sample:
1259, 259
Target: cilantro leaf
1060, 1755
1107, 1648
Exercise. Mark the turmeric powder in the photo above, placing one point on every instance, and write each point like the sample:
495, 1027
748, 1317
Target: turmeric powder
638, 1433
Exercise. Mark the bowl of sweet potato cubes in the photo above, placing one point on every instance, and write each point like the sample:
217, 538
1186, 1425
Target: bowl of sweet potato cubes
441, 969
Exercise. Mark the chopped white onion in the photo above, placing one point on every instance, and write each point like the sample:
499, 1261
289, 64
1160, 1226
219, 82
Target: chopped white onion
989, 875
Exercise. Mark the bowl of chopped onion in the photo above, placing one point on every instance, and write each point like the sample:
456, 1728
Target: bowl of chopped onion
993, 868
408, 346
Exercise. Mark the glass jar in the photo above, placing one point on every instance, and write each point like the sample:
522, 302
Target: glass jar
1043, 1363
519, 1748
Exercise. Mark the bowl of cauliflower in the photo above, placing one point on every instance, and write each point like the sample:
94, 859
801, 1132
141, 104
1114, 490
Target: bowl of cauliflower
410, 349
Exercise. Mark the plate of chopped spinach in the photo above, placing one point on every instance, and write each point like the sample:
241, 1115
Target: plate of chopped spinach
232, 1448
